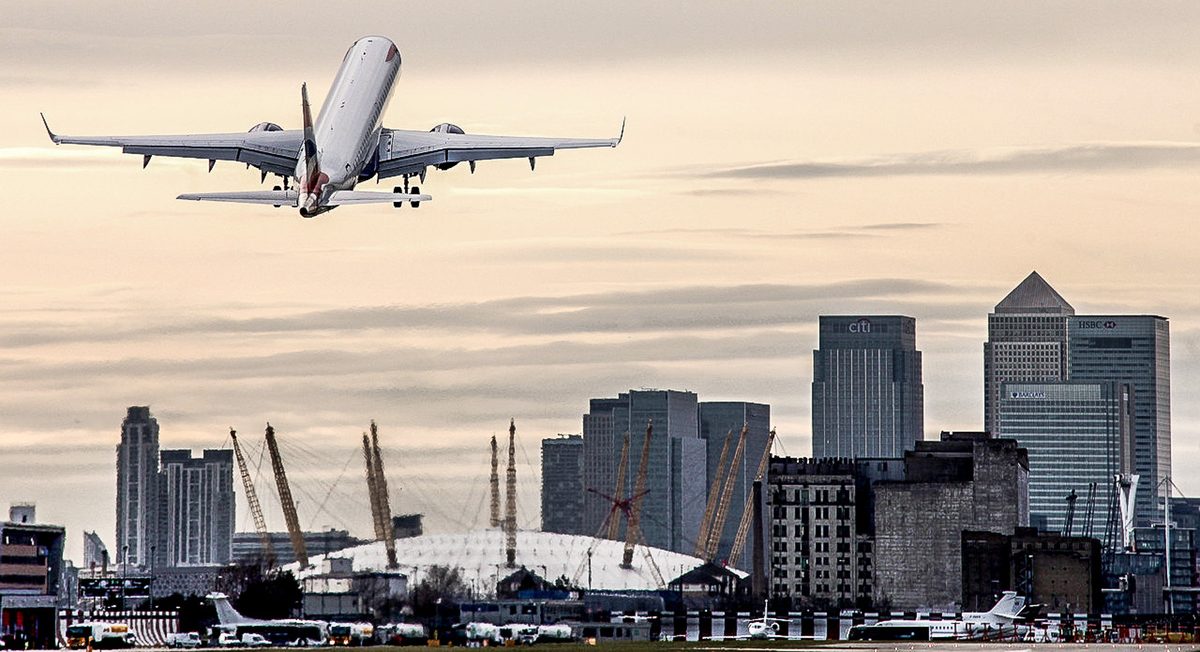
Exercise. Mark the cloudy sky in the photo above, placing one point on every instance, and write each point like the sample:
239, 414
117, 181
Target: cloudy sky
782, 160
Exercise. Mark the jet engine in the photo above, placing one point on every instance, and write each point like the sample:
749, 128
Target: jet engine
447, 128
265, 126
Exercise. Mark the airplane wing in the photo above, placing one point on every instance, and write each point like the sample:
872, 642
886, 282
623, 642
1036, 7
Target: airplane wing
274, 151
410, 152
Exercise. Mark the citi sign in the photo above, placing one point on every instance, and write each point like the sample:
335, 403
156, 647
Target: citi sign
860, 326
1096, 324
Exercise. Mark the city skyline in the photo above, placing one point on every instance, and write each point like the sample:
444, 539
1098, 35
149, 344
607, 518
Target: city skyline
780, 162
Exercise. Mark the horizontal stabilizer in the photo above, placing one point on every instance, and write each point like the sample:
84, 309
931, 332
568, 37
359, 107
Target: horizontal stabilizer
272, 197
347, 197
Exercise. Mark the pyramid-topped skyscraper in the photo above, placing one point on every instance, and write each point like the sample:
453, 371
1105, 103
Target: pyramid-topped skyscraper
1027, 341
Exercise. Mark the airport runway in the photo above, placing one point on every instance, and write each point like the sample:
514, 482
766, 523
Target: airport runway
962, 646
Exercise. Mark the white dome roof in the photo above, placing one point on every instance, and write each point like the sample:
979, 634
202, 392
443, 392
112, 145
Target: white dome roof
479, 557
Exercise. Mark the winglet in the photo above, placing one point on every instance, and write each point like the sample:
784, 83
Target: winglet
620, 136
53, 137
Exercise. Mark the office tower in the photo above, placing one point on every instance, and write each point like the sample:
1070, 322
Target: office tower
717, 420
196, 508
137, 487
1027, 341
562, 484
1079, 436
1136, 350
867, 396
676, 475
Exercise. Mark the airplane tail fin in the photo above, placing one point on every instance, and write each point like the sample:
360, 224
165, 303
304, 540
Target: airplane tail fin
226, 614
1009, 605
311, 166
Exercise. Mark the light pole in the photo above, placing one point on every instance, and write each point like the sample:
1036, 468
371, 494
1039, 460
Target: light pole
124, 572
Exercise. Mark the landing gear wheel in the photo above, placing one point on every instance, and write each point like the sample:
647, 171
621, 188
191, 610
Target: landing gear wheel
277, 189
398, 204
416, 191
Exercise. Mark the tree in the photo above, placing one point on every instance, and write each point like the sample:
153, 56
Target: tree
440, 584
196, 614
276, 595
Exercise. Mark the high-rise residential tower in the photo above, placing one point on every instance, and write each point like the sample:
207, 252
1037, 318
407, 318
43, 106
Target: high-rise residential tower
562, 485
1133, 349
1027, 342
196, 508
137, 487
676, 471
867, 395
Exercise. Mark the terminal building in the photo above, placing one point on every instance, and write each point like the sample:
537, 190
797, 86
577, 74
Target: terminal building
31, 572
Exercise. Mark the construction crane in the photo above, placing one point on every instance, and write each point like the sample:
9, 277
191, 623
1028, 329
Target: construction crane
1089, 510
718, 524
710, 506
632, 527
373, 495
614, 524
382, 503
285, 499
739, 541
510, 503
620, 506
495, 484
260, 523
1071, 498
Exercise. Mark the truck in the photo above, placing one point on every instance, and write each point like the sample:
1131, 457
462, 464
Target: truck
248, 639
100, 635
183, 640
403, 634
351, 634
560, 633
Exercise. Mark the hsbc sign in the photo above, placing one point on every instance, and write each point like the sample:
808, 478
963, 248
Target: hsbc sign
1095, 324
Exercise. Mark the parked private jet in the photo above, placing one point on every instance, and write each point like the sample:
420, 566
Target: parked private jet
287, 632
345, 145
1003, 620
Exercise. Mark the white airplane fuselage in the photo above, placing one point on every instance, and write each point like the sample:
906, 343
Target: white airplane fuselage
346, 131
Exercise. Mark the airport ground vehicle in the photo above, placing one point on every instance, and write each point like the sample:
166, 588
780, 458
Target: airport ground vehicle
183, 640
100, 635
402, 634
351, 634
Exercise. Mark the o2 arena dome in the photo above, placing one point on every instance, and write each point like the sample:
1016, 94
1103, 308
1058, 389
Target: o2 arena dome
480, 558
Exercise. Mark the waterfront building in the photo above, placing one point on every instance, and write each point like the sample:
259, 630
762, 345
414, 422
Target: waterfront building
1027, 342
719, 419
1079, 436
1136, 350
867, 393
137, 488
196, 508
562, 484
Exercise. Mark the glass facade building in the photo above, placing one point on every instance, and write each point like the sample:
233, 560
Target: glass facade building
196, 508
717, 420
562, 485
1079, 435
867, 394
1136, 350
137, 487
677, 472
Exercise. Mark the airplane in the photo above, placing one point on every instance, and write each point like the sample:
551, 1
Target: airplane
1003, 618
283, 632
760, 629
345, 145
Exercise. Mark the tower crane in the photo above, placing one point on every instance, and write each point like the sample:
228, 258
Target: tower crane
285, 499
495, 484
260, 523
